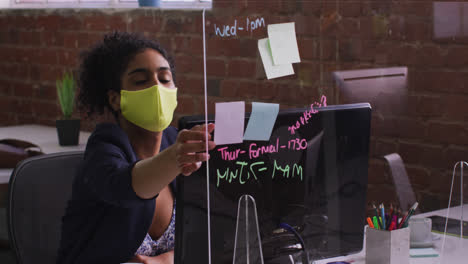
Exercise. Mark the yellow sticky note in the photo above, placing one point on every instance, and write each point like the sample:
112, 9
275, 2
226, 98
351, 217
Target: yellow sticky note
272, 71
283, 43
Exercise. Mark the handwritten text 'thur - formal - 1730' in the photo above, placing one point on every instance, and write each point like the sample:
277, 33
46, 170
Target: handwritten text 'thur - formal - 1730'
255, 150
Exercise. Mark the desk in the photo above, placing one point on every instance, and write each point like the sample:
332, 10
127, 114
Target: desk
43, 136
455, 252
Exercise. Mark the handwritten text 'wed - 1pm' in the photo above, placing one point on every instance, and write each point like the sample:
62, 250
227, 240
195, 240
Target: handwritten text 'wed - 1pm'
231, 30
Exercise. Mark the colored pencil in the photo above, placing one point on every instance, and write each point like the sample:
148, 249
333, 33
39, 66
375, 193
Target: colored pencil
376, 222
408, 214
411, 212
382, 209
377, 215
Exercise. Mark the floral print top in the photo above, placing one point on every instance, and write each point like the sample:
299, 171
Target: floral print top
165, 243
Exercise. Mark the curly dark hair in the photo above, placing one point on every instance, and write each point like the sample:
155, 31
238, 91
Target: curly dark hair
103, 64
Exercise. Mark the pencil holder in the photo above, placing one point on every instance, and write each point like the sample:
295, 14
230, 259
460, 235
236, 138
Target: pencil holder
387, 247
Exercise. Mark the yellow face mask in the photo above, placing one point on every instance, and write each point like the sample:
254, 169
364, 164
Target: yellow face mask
151, 108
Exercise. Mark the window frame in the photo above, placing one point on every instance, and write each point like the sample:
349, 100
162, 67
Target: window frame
116, 4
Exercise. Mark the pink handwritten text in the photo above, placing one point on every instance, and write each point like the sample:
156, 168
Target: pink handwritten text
304, 119
255, 151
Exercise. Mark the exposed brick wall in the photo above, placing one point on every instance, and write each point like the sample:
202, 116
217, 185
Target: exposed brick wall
428, 125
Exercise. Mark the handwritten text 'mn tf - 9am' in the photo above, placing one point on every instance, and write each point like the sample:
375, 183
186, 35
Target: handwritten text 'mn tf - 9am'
246, 171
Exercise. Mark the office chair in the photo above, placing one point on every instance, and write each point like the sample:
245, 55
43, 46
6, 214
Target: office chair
401, 182
39, 190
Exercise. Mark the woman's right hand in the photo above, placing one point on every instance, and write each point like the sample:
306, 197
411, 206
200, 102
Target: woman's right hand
190, 148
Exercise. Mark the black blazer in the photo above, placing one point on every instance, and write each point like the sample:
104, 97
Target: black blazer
105, 221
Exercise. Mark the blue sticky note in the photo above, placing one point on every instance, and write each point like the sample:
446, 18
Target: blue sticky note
261, 121
229, 121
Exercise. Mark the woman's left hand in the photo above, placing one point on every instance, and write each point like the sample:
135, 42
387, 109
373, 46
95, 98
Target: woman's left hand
165, 258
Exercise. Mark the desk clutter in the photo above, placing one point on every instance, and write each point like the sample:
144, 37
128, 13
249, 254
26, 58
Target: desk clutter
388, 235
390, 220
453, 226
13, 151
387, 246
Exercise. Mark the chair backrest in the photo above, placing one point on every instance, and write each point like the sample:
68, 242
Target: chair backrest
402, 184
39, 190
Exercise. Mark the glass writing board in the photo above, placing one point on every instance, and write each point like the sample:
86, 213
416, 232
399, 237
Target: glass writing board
314, 179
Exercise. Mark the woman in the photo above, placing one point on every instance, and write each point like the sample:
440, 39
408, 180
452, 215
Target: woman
123, 201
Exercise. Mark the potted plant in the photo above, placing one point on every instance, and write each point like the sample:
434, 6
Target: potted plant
68, 129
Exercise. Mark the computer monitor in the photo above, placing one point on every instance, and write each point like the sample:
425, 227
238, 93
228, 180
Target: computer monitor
318, 186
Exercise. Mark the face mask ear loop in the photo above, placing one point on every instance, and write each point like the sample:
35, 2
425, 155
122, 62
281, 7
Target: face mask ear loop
115, 113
